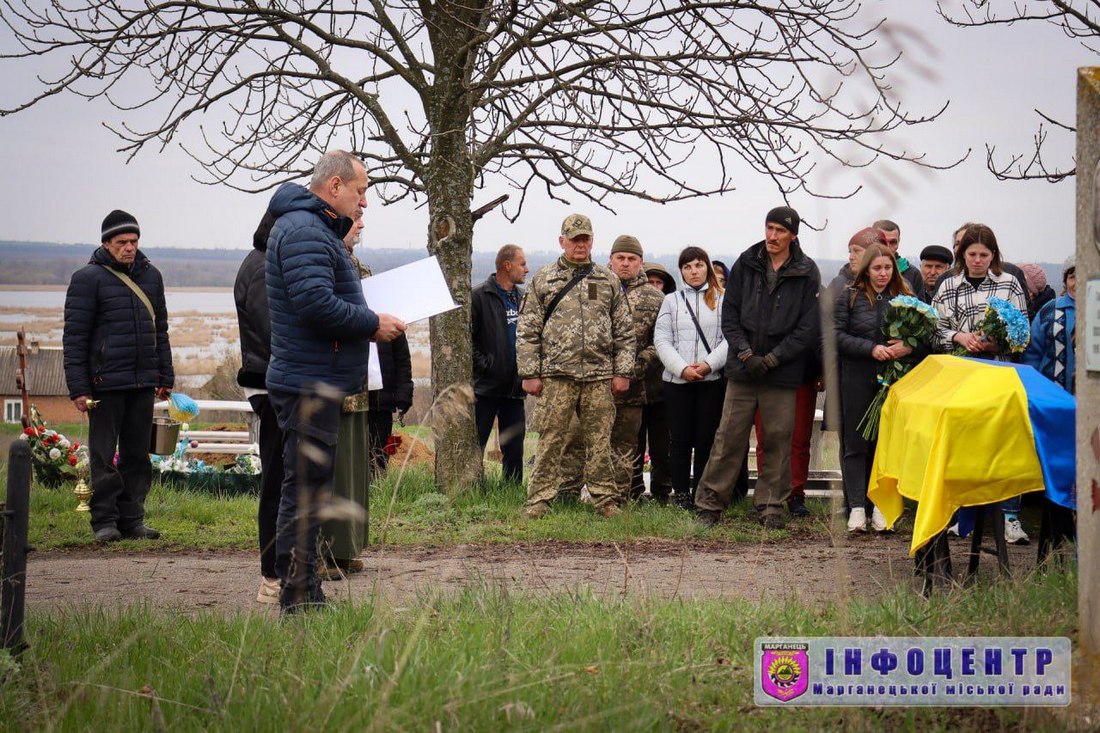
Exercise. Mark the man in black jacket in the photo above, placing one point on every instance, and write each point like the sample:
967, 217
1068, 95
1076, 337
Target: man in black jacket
494, 312
117, 360
770, 319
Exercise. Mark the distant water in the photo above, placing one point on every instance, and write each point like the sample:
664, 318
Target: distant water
178, 301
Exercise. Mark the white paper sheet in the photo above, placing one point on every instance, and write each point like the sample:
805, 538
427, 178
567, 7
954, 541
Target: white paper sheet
411, 292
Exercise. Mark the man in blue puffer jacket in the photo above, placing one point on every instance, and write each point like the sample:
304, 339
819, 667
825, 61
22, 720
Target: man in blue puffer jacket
117, 359
320, 333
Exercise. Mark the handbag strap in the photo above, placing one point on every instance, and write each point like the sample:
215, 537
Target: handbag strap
141, 296
698, 328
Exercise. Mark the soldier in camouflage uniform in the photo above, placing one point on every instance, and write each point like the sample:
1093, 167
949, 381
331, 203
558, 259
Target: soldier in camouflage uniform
574, 350
644, 303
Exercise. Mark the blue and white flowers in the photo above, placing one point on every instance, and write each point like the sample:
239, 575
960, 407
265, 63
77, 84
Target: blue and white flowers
912, 321
1004, 323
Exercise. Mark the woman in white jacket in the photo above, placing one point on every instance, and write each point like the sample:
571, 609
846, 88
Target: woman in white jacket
690, 344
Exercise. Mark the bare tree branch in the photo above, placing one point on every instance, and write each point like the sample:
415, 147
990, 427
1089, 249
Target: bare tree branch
1079, 20
661, 100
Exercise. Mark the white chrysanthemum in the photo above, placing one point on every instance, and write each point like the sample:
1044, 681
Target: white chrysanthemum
55, 453
23, 436
64, 443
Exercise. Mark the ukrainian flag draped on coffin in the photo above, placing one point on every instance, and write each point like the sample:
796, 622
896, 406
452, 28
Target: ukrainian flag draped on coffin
961, 432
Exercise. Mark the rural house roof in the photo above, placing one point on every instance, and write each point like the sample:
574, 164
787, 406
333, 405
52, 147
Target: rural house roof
45, 372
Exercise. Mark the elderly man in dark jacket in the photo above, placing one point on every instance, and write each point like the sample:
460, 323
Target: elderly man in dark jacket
770, 319
117, 360
320, 331
498, 396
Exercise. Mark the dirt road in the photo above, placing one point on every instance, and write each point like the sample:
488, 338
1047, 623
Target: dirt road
802, 569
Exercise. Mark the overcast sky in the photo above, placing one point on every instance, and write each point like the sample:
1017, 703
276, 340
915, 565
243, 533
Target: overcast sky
62, 174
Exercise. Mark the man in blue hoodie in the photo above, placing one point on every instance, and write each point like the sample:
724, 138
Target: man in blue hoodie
320, 331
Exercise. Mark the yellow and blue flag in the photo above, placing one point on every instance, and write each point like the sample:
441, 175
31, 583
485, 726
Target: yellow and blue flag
960, 432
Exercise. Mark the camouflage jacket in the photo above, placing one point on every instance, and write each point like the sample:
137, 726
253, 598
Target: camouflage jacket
644, 302
588, 337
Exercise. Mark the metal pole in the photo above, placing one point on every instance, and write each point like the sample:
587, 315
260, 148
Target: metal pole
13, 577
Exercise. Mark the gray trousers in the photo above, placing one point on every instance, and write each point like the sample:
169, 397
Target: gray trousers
773, 485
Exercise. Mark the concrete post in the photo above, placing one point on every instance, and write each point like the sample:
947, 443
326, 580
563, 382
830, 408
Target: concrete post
1088, 381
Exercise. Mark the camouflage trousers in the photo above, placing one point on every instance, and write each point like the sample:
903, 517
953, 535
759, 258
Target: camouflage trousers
562, 401
624, 445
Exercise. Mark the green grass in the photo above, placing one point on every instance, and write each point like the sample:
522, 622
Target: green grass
485, 659
405, 509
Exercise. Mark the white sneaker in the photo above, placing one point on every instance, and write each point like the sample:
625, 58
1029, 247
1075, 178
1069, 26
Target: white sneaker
878, 522
1014, 532
269, 591
953, 530
857, 520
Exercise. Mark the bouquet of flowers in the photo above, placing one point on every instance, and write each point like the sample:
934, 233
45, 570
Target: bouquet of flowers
1003, 323
913, 322
55, 458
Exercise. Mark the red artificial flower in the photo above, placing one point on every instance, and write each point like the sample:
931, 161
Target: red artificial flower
75, 446
30, 431
72, 460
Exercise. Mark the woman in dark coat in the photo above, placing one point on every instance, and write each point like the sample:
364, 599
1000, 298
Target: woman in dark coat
863, 348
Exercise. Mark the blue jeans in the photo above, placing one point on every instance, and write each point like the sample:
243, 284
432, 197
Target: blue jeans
307, 484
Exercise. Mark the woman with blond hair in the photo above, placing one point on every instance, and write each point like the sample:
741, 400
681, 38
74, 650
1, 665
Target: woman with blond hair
689, 341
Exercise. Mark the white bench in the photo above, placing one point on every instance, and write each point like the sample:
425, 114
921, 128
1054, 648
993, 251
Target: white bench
234, 442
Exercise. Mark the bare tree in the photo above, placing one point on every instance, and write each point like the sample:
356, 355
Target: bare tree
591, 97
1079, 20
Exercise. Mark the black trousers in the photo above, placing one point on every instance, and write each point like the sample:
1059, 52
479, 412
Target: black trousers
271, 480
858, 386
379, 429
655, 433
511, 428
694, 410
122, 420
310, 425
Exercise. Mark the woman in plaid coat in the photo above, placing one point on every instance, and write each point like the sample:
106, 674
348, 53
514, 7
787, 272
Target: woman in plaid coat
961, 301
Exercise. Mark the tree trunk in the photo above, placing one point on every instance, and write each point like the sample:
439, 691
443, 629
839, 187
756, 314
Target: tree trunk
457, 456
452, 27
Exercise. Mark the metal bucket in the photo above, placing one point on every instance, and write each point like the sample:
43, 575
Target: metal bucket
164, 437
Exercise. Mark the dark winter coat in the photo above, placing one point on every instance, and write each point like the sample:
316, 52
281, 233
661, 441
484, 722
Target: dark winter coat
110, 342
397, 381
858, 331
494, 353
911, 274
783, 322
320, 322
253, 319
1035, 304
843, 280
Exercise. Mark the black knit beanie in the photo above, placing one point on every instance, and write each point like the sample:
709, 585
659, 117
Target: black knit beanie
119, 222
785, 217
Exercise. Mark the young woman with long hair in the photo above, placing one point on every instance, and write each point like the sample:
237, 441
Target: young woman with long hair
862, 346
961, 299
